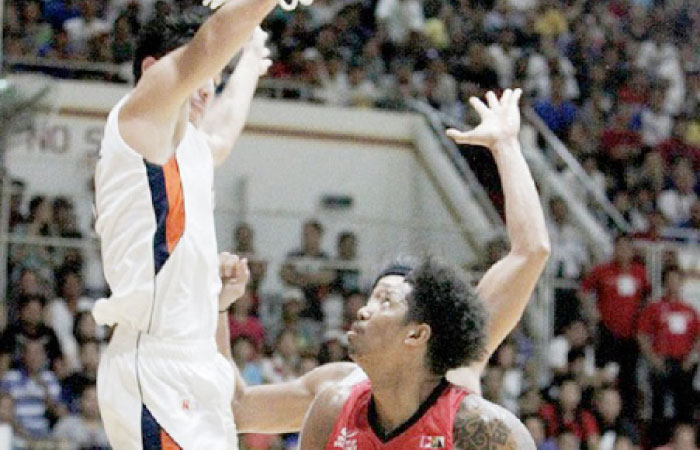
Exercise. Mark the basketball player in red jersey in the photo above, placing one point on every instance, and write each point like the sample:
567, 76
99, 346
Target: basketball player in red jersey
422, 320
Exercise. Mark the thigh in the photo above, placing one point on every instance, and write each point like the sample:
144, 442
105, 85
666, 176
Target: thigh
119, 400
191, 401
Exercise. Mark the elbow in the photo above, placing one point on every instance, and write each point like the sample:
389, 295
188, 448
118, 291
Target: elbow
536, 252
543, 249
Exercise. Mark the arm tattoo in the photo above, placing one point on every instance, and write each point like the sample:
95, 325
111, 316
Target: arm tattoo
480, 425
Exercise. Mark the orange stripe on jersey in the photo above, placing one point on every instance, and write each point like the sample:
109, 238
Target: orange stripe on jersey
175, 223
167, 443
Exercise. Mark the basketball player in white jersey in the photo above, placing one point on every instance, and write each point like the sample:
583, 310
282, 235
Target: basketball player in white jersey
162, 383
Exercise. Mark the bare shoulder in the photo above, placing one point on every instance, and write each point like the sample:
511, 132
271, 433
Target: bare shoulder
321, 417
480, 424
468, 377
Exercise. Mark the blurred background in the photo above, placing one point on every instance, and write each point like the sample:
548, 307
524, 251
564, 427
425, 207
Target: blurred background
344, 165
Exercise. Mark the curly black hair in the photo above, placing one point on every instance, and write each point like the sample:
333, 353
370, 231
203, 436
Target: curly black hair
441, 299
159, 37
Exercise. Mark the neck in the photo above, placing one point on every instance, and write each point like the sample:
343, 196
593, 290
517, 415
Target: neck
397, 395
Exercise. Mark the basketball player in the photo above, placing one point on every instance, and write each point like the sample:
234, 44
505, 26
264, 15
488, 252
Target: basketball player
422, 321
161, 382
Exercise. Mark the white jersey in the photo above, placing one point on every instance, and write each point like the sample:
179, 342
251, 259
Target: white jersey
156, 224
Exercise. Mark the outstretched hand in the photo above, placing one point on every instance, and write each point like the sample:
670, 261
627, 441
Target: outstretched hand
257, 49
213, 4
500, 120
234, 273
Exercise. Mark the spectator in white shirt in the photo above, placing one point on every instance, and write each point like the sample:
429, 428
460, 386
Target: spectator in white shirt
400, 18
656, 122
675, 203
571, 257
575, 336
362, 92
335, 86
504, 55
86, 26
568, 261
61, 313
660, 57
84, 430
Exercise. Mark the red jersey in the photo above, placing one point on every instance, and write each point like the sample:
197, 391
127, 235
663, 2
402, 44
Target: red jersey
430, 427
672, 326
620, 293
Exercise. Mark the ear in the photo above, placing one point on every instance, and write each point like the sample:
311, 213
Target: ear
147, 62
418, 335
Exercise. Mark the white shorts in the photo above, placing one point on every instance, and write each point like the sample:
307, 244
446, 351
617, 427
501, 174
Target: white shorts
156, 394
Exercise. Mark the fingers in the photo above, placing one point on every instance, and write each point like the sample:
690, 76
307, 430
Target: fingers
264, 66
505, 97
479, 106
465, 137
288, 5
515, 99
227, 264
492, 99
260, 35
454, 134
213, 4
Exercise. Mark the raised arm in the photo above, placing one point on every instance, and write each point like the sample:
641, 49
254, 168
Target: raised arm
147, 120
227, 115
507, 286
285, 404
480, 424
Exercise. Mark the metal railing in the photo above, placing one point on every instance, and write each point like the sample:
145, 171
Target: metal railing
438, 122
589, 186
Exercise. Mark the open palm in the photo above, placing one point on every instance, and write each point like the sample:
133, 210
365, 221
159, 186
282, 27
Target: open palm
500, 120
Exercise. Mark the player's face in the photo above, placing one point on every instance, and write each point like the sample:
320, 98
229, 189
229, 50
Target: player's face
380, 327
200, 100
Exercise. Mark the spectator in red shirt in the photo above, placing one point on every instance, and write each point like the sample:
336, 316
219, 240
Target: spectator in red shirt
568, 416
619, 145
675, 146
243, 323
668, 337
619, 287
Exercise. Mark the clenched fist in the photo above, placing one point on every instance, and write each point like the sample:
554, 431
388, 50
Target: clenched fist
234, 273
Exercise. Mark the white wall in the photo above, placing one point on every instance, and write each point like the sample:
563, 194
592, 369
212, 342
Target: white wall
290, 155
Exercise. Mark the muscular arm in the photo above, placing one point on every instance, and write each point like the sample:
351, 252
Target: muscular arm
480, 424
507, 286
227, 115
147, 120
285, 404
319, 422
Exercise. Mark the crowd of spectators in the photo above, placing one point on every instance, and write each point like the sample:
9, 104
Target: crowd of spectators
618, 81
614, 356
